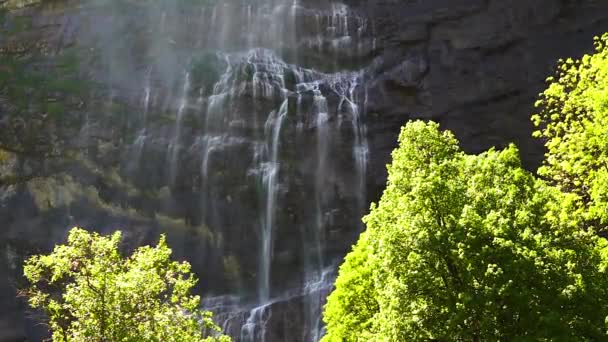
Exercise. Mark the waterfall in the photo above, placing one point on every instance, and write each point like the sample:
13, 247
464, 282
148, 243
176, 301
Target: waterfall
349, 103
271, 181
174, 147
254, 328
314, 268
260, 72
254, 94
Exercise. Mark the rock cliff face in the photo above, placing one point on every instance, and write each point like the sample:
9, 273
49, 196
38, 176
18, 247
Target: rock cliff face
476, 67
255, 132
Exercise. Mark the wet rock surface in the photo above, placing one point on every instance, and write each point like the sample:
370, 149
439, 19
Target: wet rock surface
256, 136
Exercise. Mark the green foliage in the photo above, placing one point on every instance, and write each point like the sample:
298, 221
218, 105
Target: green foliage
42, 101
232, 268
468, 247
91, 293
573, 120
353, 305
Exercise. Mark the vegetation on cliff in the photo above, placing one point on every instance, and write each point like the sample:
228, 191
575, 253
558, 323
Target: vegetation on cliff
41, 104
92, 293
473, 247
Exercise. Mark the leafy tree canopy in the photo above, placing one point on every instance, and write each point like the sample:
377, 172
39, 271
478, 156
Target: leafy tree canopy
91, 293
469, 247
573, 119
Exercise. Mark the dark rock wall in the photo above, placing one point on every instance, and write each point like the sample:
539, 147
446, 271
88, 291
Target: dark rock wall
475, 66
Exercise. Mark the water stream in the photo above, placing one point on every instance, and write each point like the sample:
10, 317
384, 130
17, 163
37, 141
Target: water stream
259, 95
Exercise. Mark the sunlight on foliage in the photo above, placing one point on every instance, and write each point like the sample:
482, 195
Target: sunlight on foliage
573, 120
471, 248
91, 293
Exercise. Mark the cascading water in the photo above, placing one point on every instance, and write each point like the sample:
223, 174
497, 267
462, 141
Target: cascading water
174, 147
260, 99
270, 180
259, 74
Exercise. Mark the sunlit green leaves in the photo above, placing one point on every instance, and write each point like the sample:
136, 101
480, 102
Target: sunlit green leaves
350, 317
573, 120
91, 293
468, 247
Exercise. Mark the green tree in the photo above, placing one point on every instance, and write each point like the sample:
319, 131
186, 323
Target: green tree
91, 293
468, 248
573, 120
352, 306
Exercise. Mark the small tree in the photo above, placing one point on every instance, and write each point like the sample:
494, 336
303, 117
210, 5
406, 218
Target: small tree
573, 120
468, 248
91, 293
